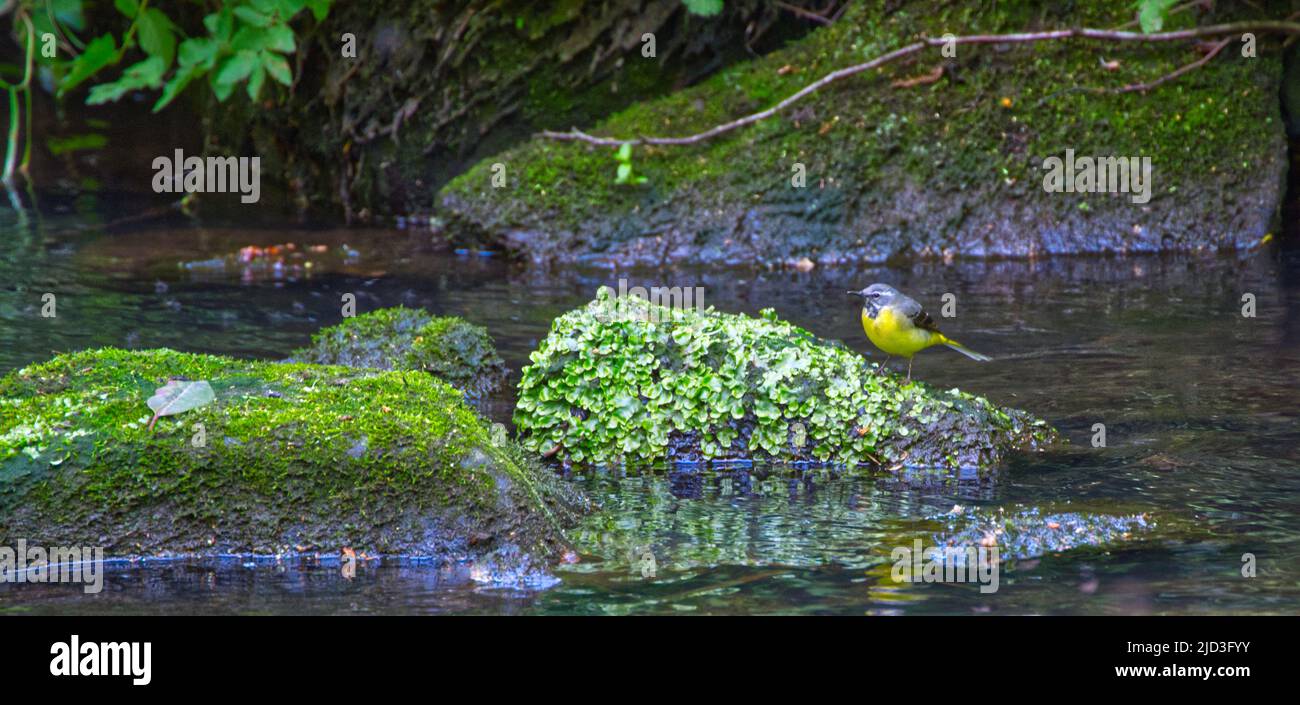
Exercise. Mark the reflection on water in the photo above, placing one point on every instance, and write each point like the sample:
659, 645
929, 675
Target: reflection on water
1198, 404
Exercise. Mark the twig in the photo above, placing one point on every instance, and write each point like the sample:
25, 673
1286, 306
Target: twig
1231, 28
829, 78
1143, 87
806, 14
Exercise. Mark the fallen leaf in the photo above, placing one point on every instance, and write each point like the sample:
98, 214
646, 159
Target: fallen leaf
178, 396
935, 74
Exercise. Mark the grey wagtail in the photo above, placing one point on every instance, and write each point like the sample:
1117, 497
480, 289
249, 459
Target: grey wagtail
898, 325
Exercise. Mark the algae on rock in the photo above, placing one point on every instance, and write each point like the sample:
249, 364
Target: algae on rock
289, 457
450, 348
953, 168
626, 380
436, 85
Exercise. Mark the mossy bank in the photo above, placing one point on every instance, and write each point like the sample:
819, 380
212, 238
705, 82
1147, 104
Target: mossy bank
626, 380
435, 86
898, 168
287, 458
450, 348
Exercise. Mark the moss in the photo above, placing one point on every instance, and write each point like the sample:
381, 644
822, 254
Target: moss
950, 168
454, 350
436, 86
289, 457
626, 380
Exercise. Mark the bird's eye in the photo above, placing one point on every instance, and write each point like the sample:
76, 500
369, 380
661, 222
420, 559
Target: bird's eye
875, 294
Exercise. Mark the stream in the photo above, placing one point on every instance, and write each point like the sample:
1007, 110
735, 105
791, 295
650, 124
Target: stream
1198, 402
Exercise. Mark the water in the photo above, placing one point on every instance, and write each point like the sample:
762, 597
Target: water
1198, 403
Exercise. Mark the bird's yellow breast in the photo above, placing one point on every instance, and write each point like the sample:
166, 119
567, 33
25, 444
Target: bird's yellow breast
895, 333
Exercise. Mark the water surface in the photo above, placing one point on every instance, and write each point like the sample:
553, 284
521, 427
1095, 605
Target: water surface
1198, 403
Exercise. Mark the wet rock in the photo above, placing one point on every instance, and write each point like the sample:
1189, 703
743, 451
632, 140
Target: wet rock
436, 86
626, 380
952, 169
383, 463
1030, 532
452, 349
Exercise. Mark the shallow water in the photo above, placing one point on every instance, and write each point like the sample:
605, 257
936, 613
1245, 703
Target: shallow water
1199, 405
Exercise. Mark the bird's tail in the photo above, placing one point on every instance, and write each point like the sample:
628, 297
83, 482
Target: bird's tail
966, 351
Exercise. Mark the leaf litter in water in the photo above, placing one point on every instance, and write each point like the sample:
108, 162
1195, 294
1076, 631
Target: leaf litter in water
178, 396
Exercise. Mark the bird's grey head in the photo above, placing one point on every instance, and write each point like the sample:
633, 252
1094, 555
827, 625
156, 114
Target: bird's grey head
876, 297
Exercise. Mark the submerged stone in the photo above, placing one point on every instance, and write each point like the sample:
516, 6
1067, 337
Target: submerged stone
626, 380
287, 458
450, 348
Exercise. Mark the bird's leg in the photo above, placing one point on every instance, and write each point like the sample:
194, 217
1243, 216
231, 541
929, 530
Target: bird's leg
884, 366
909, 370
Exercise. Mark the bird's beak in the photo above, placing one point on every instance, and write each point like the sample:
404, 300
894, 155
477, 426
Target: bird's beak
856, 293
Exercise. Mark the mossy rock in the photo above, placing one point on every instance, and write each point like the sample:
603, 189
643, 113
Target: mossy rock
626, 380
437, 85
951, 168
458, 352
287, 458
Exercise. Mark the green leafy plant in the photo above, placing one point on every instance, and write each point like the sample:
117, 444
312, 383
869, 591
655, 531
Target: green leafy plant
704, 8
240, 42
626, 380
626, 174
1153, 13
246, 42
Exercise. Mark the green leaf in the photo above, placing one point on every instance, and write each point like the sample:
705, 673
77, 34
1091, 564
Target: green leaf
236, 68
220, 24
99, 53
220, 90
276, 38
704, 8
278, 67
289, 8
1153, 13
59, 146
320, 9
157, 37
198, 52
146, 74
179, 396
280, 39
178, 82
255, 81
127, 7
251, 16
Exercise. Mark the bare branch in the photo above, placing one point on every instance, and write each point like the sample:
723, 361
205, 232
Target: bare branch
1219, 30
806, 14
1143, 87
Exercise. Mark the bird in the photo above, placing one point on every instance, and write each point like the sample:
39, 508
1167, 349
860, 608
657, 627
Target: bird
898, 325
